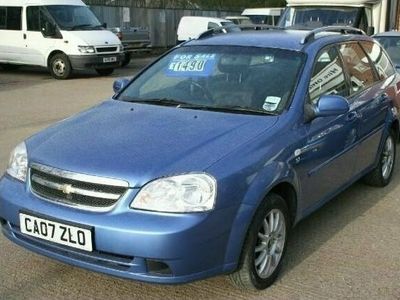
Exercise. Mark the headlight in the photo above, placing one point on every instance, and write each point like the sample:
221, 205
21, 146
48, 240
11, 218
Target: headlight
86, 49
178, 194
18, 164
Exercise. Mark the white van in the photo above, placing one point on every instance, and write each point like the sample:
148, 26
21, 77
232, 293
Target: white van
191, 27
62, 35
267, 16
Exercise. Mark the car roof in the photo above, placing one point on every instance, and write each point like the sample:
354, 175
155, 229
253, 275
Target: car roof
285, 39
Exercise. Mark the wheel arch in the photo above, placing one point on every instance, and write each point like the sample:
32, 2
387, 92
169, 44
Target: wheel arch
51, 54
395, 126
284, 184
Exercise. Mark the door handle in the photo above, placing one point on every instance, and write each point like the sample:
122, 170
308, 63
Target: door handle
352, 116
24, 36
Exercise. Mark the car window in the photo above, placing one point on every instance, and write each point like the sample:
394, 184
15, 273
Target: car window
3, 18
261, 79
382, 62
32, 18
212, 25
328, 76
357, 67
10, 18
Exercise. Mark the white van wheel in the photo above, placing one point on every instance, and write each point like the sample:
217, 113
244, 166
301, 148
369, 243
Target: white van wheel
60, 66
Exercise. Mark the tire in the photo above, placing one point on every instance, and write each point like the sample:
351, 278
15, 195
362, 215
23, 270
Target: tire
250, 274
10, 67
382, 174
105, 72
60, 66
126, 60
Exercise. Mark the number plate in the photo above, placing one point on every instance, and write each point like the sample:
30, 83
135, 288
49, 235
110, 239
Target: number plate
109, 59
60, 233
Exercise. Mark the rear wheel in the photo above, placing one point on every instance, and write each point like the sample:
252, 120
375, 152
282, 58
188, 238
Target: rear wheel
105, 72
265, 245
382, 174
60, 66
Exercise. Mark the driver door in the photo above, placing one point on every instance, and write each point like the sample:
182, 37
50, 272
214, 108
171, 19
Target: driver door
327, 156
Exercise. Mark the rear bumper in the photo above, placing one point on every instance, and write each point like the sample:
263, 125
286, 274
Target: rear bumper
82, 62
128, 243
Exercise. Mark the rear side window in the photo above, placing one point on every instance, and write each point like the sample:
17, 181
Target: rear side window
10, 18
379, 58
328, 76
357, 66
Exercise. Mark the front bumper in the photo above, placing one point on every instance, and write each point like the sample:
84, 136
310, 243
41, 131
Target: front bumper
96, 61
161, 248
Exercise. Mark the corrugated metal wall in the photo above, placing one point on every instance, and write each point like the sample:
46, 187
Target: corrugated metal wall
162, 23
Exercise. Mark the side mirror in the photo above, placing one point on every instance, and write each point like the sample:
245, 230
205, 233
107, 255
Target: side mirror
370, 30
104, 25
49, 29
120, 84
331, 105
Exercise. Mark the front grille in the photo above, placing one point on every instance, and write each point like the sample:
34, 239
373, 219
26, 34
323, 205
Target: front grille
82, 191
106, 49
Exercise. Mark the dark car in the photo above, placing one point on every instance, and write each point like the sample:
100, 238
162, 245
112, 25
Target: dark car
203, 163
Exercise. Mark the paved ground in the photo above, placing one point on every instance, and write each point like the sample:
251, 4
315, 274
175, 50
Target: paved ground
348, 249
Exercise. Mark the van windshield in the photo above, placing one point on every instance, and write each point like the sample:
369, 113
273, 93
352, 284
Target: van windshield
315, 17
73, 17
243, 79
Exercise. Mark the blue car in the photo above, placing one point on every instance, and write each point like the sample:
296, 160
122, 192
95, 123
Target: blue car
203, 163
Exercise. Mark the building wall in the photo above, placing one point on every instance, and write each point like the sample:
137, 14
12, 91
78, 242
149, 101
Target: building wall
162, 23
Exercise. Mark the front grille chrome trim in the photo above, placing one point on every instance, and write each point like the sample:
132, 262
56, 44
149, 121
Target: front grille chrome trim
68, 185
73, 190
79, 176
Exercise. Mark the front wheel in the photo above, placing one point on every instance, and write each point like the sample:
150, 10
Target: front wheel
265, 245
60, 66
382, 174
105, 72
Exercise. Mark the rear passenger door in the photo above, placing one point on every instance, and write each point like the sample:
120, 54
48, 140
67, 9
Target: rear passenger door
369, 95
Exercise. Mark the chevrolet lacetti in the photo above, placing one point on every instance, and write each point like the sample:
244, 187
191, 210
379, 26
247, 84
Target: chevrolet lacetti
202, 163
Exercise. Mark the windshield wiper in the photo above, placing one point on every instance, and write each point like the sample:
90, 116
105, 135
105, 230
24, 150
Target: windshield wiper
157, 101
80, 26
230, 109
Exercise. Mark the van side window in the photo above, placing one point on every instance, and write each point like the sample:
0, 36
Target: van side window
379, 58
3, 18
357, 65
32, 18
212, 25
13, 18
328, 76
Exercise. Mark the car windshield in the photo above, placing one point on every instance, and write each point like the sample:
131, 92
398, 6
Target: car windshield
392, 47
72, 17
315, 17
242, 79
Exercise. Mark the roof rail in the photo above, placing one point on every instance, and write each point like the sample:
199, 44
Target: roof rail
259, 27
339, 29
214, 31
235, 28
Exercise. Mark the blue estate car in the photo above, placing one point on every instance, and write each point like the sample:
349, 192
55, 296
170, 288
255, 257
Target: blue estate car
203, 162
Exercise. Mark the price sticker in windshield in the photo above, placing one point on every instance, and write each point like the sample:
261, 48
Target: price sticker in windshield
191, 65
